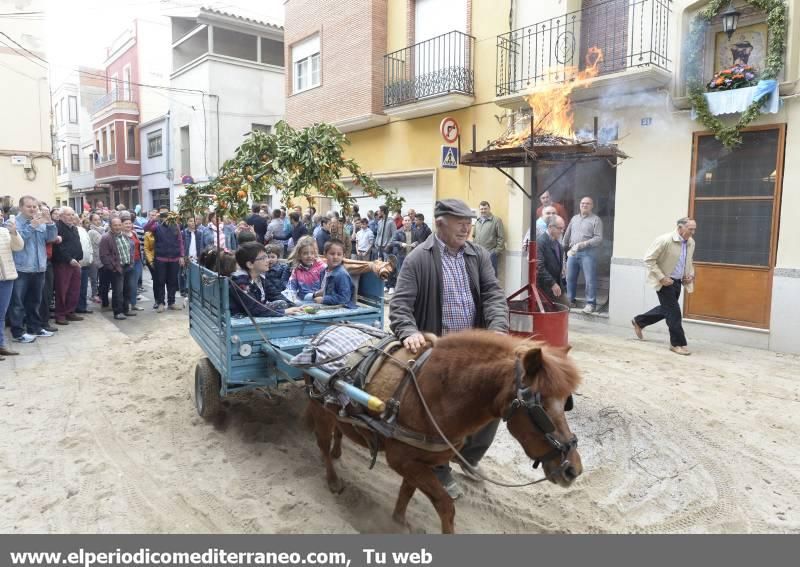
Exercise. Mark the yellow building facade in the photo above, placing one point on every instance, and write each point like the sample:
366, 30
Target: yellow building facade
377, 80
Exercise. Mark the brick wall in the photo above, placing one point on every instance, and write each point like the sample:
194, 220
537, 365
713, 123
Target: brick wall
352, 46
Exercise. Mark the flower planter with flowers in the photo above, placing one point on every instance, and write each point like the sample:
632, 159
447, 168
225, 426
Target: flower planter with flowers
737, 77
733, 90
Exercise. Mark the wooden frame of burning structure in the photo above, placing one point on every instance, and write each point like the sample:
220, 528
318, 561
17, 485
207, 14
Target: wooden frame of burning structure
526, 145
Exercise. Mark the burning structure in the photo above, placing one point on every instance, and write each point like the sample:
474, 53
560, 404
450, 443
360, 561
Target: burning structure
546, 131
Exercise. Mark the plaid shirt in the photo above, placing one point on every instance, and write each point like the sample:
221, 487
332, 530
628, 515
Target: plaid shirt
458, 305
124, 247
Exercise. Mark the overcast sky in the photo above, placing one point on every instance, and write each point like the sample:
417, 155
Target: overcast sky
78, 31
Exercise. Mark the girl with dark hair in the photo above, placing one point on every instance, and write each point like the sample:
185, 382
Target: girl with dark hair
248, 292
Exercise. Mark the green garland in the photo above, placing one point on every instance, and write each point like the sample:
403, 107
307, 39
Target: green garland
776, 25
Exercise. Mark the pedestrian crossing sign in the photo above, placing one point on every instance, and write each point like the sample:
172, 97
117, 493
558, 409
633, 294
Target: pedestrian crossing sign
450, 157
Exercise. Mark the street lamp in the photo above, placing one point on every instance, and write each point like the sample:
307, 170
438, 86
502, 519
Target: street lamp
730, 18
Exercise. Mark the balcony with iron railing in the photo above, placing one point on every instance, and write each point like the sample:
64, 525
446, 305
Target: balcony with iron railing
632, 34
119, 96
432, 76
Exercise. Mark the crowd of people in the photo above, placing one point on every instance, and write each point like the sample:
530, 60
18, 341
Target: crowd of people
58, 266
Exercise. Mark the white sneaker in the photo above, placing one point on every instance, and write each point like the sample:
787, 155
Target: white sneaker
475, 472
44, 333
391, 291
589, 308
25, 338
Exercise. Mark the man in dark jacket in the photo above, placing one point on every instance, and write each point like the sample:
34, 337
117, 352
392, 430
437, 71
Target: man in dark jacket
323, 235
169, 259
550, 261
430, 298
117, 257
403, 243
67, 269
423, 229
299, 229
258, 223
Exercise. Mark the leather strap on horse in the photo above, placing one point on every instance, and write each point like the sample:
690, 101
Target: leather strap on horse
387, 425
434, 444
393, 404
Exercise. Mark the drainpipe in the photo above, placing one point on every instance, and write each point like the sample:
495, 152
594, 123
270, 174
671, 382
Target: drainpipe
168, 151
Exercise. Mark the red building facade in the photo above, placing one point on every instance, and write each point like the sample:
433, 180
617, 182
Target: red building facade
115, 121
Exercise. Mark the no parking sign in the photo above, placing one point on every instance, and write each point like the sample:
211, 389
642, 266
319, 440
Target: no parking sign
449, 129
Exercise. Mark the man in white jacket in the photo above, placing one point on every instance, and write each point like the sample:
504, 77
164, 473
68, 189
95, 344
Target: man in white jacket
669, 266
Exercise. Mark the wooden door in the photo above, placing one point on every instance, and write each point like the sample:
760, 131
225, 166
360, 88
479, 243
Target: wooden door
735, 199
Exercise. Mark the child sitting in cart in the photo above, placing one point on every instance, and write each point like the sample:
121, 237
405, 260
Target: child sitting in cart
248, 285
337, 285
277, 273
306, 278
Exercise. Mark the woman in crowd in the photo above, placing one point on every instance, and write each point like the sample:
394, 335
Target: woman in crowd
10, 241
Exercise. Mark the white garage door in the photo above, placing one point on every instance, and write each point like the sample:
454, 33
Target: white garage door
417, 192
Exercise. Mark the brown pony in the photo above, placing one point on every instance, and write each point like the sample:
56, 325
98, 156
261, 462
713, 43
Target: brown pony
468, 381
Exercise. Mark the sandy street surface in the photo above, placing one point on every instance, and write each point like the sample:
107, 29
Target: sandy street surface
100, 434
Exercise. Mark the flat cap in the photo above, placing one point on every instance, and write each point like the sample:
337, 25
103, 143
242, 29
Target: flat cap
453, 207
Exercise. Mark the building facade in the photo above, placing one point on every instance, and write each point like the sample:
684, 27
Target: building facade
135, 68
73, 100
471, 62
227, 80
156, 166
26, 149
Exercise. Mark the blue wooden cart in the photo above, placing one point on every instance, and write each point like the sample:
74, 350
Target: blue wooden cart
237, 356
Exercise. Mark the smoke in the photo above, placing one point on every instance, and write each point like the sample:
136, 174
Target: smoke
620, 111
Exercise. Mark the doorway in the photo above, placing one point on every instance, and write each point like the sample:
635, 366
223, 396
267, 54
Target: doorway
568, 183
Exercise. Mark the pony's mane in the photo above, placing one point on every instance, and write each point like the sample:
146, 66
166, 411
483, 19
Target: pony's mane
559, 377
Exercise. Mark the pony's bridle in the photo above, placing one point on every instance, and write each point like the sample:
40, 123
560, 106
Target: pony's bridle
532, 402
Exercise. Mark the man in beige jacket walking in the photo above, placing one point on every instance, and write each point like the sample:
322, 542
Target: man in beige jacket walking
669, 265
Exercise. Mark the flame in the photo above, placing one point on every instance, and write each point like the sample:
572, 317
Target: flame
552, 106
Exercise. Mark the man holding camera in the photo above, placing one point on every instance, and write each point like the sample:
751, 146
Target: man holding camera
36, 228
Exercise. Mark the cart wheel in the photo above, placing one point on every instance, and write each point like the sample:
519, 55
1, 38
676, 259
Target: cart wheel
206, 390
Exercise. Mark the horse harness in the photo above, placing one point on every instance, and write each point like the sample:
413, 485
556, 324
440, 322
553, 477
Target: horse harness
386, 426
532, 402
372, 428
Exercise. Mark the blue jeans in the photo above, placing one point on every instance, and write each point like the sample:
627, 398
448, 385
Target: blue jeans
6, 289
25, 302
493, 259
392, 282
585, 260
84, 288
133, 276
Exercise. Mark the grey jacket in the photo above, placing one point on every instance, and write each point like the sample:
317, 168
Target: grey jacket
417, 302
489, 233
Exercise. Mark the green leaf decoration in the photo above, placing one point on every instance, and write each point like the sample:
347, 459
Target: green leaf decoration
776, 11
